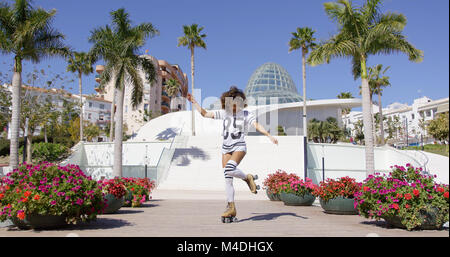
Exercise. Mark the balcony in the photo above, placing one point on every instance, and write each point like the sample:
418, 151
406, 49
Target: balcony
99, 68
97, 78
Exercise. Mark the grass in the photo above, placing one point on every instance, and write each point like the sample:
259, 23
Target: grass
432, 148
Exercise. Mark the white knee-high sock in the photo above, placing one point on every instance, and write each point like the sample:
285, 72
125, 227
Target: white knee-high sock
229, 189
231, 170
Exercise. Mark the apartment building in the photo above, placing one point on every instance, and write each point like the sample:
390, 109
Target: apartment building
155, 100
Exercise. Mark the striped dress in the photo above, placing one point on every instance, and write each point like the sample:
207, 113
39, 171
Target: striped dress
234, 129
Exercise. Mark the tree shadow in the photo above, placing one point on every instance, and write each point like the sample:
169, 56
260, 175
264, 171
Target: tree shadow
186, 154
128, 211
99, 223
272, 216
383, 224
166, 134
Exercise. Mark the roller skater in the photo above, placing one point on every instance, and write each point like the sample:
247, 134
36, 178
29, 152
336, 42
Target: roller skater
236, 120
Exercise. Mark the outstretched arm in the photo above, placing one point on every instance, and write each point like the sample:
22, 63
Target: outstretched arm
202, 111
263, 131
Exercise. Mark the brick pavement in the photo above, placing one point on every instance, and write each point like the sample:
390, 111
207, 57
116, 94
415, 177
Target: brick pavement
201, 217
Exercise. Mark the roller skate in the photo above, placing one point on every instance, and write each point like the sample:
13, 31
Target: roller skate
250, 180
229, 216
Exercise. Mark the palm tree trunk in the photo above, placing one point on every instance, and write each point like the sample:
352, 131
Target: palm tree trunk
81, 106
305, 121
192, 90
380, 108
372, 119
29, 144
111, 126
45, 134
367, 121
15, 115
117, 171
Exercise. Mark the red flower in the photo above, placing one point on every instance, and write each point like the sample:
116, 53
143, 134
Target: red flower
399, 195
395, 206
416, 192
21, 215
1, 196
36, 197
446, 194
440, 189
408, 196
25, 200
407, 206
27, 193
366, 189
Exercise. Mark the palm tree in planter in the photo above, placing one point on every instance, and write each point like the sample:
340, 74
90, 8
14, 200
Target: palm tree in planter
364, 31
345, 95
27, 34
118, 45
192, 38
172, 89
303, 39
377, 81
80, 63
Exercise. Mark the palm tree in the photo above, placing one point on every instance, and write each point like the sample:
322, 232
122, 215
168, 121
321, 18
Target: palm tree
192, 39
377, 82
172, 88
81, 63
26, 33
303, 38
345, 95
364, 31
118, 45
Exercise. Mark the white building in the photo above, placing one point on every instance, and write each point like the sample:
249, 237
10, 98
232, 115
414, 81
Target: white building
410, 119
95, 110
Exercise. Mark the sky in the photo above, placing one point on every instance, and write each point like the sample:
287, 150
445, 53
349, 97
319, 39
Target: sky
244, 34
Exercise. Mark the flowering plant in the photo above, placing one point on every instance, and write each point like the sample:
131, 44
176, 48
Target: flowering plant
330, 189
297, 186
140, 189
49, 189
405, 193
272, 181
115, 186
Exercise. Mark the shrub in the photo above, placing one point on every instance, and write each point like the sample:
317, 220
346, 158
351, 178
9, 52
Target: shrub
330, 189
297, 186
115, 186
49, 189
140, 189
49, 152
405, 193
272, 182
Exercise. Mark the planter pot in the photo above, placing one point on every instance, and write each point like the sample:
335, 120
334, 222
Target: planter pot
339, 205
272, 196
428, 219
114, 204
295, 200
36, 221
129, 198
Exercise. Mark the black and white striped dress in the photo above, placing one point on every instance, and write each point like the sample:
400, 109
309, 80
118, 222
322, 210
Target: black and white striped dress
234, 129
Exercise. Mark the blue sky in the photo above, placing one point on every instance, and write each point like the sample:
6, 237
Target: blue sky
242, 35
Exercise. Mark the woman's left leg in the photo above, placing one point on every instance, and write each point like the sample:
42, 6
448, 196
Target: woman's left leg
231, 169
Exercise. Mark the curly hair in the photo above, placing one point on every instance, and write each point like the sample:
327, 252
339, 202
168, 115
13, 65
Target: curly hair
233, 92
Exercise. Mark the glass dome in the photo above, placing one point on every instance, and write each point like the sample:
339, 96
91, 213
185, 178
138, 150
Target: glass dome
272, 80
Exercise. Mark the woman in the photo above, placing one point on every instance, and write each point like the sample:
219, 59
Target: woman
235, 123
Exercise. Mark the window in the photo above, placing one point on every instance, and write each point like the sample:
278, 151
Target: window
126, 108
100, 117
90, 104
89, 116
412, 116
428, 113
102, 106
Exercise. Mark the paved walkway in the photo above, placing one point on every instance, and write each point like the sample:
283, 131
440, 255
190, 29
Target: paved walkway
196, 216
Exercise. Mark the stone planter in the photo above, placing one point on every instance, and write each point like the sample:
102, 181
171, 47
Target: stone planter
428, 219
114, 204
36, 221
128, 197
294, 200
272, 196
339, 205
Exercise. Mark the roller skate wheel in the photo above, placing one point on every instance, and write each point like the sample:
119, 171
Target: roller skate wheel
257, 187
255, 177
